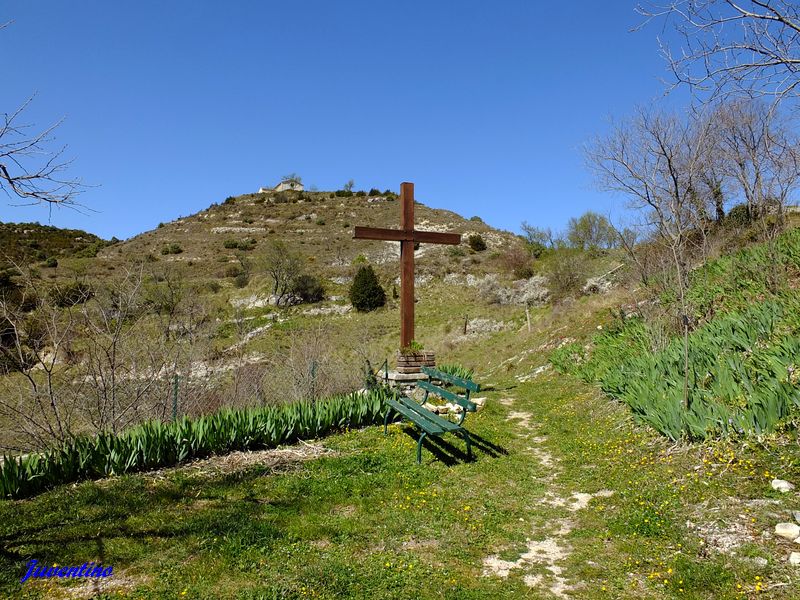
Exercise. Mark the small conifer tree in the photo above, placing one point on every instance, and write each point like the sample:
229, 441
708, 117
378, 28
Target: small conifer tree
366, 293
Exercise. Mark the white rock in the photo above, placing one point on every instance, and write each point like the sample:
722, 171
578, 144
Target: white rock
796, 515
790, 531
794, 559
782, 485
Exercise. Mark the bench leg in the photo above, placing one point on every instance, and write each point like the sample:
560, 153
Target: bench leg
386, 420
419, 447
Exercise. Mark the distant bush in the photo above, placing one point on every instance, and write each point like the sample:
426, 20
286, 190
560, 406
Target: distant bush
476, 242
456, 251
229, 200
567, 274
344, 193
51, 262
517, 261
91, 250
738, 216
69, 294
281, 198
360, 193
366, 293
476, 219
320, 222
245, 245
232, 271
172, 248
374, 192
241, 280
213, 286
308, 288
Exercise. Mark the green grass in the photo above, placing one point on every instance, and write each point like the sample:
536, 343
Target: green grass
366, 521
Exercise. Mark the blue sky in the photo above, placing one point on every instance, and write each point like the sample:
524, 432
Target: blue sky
171, 106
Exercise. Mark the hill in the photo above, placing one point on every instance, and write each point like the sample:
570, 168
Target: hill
29, 243
319, 225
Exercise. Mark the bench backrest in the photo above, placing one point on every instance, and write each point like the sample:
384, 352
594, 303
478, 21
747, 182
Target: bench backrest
467, 384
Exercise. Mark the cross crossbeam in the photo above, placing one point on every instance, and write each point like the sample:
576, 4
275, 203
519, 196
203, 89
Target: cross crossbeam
408, 237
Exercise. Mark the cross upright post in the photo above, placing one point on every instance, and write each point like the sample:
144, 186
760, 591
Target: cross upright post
407, 265
408, 237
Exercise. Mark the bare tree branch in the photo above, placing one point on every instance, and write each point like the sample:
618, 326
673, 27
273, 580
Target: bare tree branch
747, 47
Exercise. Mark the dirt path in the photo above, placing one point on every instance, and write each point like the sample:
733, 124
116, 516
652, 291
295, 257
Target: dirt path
547, 547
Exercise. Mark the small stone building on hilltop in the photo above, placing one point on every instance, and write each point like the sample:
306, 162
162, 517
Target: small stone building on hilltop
286, 184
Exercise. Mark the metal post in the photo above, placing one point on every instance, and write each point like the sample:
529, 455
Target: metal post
175, 397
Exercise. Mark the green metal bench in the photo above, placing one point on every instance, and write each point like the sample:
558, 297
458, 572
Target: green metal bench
429, 423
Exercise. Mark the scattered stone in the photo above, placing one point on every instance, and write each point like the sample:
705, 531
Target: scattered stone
479, 402
790, 531
796, 515
758, 561
794, 559
782, 485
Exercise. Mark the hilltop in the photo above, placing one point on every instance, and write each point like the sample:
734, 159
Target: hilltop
319, 225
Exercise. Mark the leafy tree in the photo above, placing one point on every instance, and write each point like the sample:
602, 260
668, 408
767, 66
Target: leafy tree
591, 231
366, 293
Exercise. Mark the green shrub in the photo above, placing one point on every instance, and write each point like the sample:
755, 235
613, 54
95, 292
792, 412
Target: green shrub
157, 444
232, 271
69, 294
374, 192
738, 216
172, 248
241, 280
320, 222
230, 244
476, 242
366, 293
308, 288
51, 263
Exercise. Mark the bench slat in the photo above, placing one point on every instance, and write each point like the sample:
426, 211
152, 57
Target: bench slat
448, 395
421, 420
464, 383
432, 423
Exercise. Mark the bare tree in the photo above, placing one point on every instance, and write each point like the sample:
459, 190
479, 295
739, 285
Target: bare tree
655, 160
728, 47
100, 361
757, 152
283, 266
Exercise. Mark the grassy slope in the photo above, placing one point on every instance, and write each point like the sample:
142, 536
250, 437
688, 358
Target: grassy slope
366, 521
24, 243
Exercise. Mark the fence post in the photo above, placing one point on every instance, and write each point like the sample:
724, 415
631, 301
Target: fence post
175, 397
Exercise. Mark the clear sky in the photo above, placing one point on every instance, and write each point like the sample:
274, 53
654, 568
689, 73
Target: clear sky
171, 106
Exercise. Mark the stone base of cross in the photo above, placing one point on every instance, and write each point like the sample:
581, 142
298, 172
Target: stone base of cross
408, 237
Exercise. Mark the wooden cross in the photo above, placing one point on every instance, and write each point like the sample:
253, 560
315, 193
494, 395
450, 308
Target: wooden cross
407, 236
